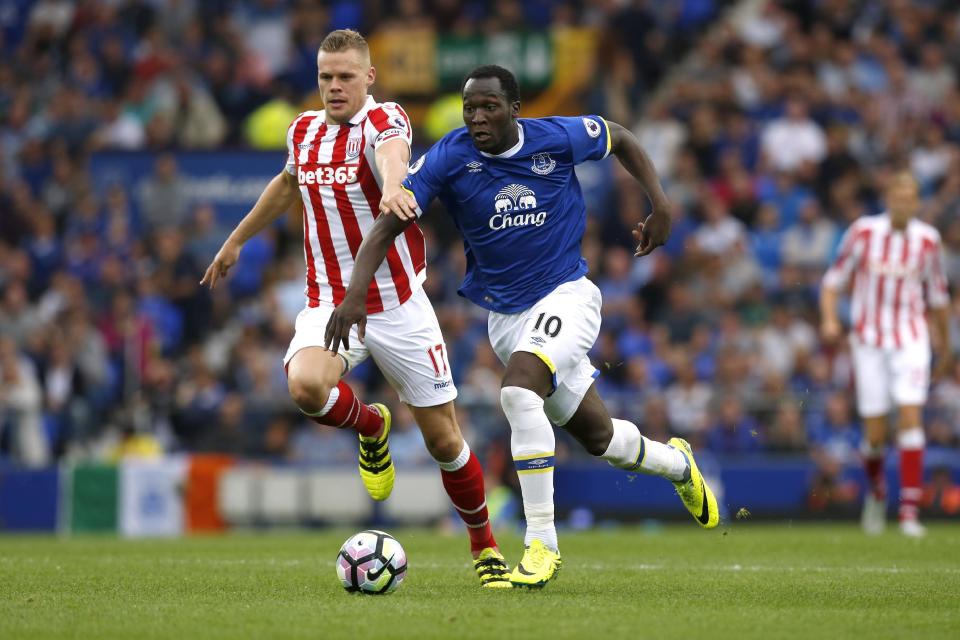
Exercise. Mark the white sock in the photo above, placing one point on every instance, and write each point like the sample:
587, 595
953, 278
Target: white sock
912, 438
630, 450
458, 462
532, 446
331, 400
868, 450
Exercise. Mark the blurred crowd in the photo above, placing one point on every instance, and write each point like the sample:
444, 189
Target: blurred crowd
771, 131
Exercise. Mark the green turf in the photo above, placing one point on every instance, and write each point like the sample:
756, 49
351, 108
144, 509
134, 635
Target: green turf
746, 581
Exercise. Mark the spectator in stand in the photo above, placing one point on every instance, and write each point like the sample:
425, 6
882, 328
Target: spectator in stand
734, 432
810, 242
21, 406
688, 400
794, 140
163, 198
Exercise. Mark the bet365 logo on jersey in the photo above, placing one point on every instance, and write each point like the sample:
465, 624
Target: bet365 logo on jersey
326, 175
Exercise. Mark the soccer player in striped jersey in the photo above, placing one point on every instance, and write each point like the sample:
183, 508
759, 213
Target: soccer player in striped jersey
341, 162
896, 264
509, 184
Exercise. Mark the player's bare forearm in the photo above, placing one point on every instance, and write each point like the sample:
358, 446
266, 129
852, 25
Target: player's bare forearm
655, 230
830, 327
352, 310
272, 203
372, 252
828, 304
625, 146
940, 321
392, 158
275, 200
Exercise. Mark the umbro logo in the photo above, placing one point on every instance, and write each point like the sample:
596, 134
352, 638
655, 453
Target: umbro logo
475, 166
305, 145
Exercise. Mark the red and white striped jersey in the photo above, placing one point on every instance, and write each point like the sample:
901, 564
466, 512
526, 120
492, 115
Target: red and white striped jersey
341, 188
896, 276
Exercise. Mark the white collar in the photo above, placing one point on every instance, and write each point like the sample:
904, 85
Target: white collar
512, 151
358, 117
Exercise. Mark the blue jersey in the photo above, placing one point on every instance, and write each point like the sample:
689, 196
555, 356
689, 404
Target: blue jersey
521, 212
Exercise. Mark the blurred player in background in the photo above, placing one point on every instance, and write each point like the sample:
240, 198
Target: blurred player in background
893, 260
341, 162
510, 186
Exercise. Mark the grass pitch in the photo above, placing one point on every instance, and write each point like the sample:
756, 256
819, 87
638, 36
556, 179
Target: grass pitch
744, 581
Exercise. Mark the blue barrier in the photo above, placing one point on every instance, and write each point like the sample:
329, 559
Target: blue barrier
29, 499
232, 180
766, 487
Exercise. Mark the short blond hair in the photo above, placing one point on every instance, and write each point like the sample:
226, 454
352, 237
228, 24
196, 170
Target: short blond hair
902, 177
343, 39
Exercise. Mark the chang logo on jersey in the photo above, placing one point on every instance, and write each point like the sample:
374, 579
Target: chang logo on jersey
513, 206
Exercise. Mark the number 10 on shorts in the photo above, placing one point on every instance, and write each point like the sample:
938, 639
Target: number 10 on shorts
551, 327
437, 358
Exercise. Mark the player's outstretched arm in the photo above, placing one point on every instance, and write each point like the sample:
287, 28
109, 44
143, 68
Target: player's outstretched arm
276, 199
940, 321
353, 309
830, 327
655, 230
392, 158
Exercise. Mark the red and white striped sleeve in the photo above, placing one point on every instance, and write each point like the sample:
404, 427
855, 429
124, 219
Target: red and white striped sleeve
838, 275
291, 165
934, 278
388, 121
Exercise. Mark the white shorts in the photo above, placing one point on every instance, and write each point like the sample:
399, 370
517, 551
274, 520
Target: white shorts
890, 377
405, 343
560, 329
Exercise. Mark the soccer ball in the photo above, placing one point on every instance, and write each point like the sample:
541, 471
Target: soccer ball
371, 562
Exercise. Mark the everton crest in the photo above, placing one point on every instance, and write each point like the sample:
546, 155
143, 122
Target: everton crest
543, 163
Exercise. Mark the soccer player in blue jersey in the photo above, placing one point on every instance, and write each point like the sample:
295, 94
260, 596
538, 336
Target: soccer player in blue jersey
510, 187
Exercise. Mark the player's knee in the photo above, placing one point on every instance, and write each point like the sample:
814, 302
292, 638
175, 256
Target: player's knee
596, 441
527, 371
444, 447
516, 401
309, 392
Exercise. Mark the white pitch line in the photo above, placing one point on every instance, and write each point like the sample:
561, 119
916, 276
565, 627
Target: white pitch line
599, 566
761, 568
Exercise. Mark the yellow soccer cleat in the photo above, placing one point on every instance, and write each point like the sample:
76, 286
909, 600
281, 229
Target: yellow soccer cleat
695, 493
376, 466
492, 570
538, 566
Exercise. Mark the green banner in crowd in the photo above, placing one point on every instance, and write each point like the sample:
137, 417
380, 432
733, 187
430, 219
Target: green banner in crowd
528, 55
94, 498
